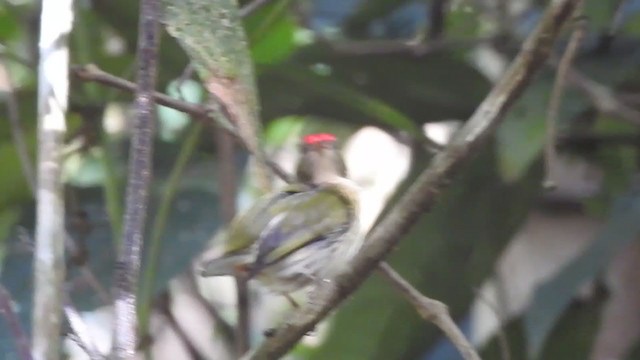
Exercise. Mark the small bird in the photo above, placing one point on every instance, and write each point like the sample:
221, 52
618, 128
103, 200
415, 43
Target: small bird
301, 234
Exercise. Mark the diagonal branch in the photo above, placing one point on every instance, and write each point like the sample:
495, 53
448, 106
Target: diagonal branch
422, 195
201, 113
79, 330
13, 323
430, 310
140, 170
603, 98
252, 7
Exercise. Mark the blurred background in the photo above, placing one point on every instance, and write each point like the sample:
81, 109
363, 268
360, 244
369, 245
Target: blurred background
528, 272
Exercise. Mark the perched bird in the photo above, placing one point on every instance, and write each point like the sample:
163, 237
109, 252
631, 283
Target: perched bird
301, 234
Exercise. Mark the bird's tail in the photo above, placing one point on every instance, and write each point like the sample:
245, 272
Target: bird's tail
228, 265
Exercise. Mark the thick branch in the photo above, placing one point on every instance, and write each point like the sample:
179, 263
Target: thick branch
423, 193
140, 170
53, 89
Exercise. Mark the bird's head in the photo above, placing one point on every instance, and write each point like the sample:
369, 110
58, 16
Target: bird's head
320, 159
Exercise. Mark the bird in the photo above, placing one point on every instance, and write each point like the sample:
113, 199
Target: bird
301, 234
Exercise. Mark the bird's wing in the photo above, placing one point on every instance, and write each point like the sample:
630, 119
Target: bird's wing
300, 220
246, 228
243, 232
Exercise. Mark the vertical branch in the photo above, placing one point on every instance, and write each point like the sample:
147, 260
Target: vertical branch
564, 66
140, 169
53, 87
227, 188
437, 17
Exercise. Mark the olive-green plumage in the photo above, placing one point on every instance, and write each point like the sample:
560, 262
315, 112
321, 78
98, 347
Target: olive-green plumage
299, 234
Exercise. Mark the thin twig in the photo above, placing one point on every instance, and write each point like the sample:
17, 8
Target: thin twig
154, 246
140, 170
13, 323
226, 331
251, 7
80, 331
607, 38
550, 155
227, 190
199, 112
503, 17
77, 253
187, 73
422, 195
243, 329
163, 305
53, 88
430, 310
503, 341
616, 20
93, 73
437, 19
603, 98
17, 132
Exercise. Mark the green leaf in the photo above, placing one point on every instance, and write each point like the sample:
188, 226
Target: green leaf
283, 129
331, 88
276, 43
552, 297
8, 23
271, 31
395, 92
